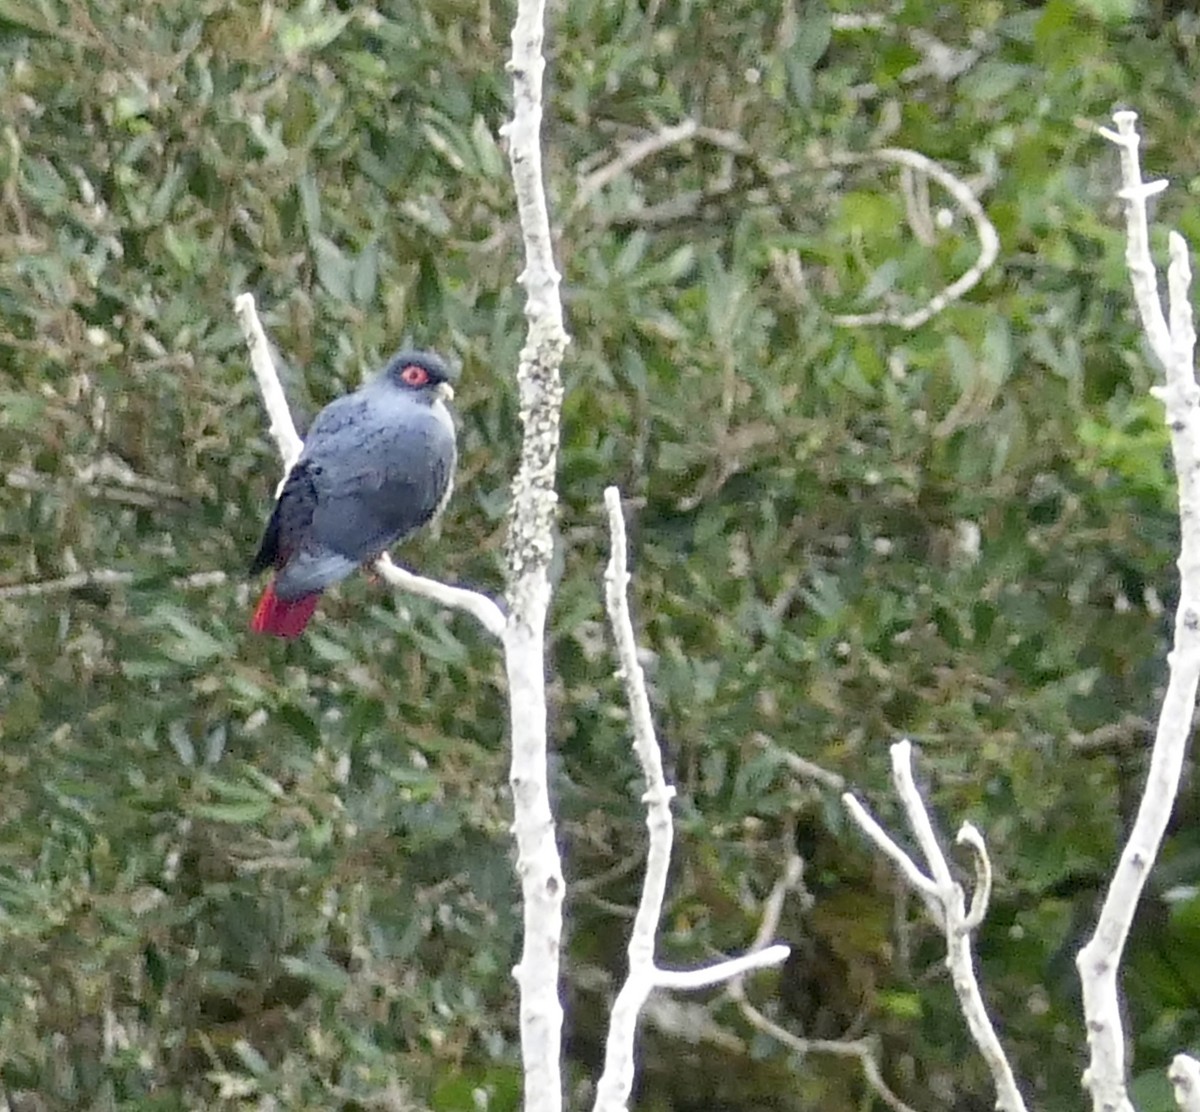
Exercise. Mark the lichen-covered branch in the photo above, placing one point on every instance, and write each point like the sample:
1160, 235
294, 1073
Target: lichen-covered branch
530, 546
1173, 341
947, 902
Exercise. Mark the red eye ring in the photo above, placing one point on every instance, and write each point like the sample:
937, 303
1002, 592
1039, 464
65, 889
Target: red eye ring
412, 375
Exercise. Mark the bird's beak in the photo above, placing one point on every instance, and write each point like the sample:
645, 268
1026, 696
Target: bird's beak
445, 391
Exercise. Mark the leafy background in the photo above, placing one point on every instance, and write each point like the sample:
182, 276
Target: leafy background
237, 873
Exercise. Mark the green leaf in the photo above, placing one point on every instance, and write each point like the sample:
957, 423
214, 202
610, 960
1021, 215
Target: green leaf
191, 645
239, 814
491, 159
334, 269
366, 274
251, 1058
308, 32
24, 17
319, 971
902, 1005
21, 411
1110, 11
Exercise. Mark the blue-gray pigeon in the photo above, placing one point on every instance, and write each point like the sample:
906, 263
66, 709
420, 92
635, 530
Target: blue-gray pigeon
377, 465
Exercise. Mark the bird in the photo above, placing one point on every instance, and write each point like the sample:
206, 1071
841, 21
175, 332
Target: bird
377, 465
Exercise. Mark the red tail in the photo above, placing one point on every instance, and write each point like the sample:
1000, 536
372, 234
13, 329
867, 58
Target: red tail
283, 617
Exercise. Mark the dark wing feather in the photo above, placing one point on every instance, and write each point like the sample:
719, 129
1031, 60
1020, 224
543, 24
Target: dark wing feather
288, 530
291, 519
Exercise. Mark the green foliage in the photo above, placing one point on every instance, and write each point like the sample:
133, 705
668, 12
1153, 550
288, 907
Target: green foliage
245, 874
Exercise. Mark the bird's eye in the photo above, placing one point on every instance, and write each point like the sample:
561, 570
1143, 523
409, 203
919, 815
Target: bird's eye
412, 375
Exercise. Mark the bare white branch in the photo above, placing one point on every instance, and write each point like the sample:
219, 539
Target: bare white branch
530, 548
485, 611
918, 817
616, 1081
616, 582
911, 870
659, 793
282, 427
1179, 285
946, 900
1143, 275
985, 231
1184, 1075
709, 975
968, 835
1173, 343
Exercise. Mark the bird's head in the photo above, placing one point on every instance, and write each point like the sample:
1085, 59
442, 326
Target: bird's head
421, 373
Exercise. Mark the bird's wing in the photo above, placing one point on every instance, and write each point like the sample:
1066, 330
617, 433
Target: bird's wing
290, 545
291, 519
290, 528
382, 480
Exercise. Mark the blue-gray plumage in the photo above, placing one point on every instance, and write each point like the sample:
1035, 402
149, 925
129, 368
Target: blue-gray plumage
376, 466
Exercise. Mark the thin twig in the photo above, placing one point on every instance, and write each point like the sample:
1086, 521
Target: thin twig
801, 766
616, 1081
686, 205
981, 897
985, 231
862, 1049
24, 479
105, 577
947, 903
631, 154
485, 611
768, 928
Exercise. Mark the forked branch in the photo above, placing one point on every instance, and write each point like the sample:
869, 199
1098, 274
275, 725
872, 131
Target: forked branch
946, 901
616, 1082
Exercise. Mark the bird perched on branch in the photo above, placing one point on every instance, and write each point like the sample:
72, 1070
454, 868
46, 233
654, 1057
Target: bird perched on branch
376, 466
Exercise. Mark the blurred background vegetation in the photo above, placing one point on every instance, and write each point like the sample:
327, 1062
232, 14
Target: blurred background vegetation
236, 873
